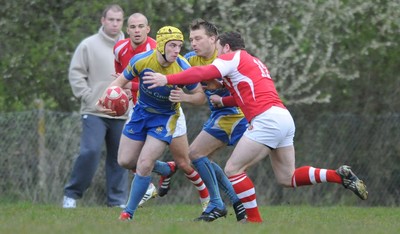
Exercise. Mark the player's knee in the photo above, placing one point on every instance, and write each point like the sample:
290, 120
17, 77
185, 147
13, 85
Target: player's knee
183, 165
124, 163
285, 182
194, 154
230, 171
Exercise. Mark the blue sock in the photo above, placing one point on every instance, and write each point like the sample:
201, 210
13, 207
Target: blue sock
224, 183
162, 168
207, 174
138, 189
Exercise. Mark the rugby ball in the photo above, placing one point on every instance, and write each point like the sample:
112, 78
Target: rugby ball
117, 100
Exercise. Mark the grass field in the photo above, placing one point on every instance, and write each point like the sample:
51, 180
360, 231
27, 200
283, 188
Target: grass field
152, 219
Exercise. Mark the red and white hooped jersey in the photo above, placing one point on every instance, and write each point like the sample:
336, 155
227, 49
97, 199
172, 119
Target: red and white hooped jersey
249, 82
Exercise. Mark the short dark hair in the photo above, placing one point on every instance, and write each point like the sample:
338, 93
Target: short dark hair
210, 28
233, 39
114, 7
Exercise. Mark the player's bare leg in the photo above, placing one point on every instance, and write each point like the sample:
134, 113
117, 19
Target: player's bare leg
247, 152
179, 148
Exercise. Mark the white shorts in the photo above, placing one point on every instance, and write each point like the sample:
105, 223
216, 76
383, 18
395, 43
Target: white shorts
180, 129
274, 128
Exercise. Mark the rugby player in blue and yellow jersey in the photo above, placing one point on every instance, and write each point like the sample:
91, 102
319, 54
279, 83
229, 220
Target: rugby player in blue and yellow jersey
138, 28
153, 121
225, 126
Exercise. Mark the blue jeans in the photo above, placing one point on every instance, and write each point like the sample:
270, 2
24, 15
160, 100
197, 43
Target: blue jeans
96, 130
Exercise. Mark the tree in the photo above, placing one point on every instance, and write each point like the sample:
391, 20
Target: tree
317, 51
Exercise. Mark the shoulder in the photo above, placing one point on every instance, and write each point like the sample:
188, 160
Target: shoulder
151, 41
183, 63
189, 55
230, 56
142, 56
91, 38
149, 44
121, 45
123, 42
89, 42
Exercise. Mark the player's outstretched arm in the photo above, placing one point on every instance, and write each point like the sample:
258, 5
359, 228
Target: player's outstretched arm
155, 79
190, 76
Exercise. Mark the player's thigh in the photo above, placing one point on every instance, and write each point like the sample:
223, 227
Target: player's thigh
283, 164
152, 150
246, 153
128, 152
179, 149
203, 145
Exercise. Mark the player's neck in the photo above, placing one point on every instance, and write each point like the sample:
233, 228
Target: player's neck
210, 54
136, 45
162, 60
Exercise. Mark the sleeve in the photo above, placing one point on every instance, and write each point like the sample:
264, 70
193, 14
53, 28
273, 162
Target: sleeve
79, 72
118, 67
117, 61
135, 86
225, 64
194, 75
229, 101
129, 72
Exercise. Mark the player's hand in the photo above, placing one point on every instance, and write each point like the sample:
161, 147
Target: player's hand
154, 79
177, 95
212, 84
128, 93
101, 108
216, 101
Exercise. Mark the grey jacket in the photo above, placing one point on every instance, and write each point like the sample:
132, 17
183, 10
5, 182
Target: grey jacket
90, 71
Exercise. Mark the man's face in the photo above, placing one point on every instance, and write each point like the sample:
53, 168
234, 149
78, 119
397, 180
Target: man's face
137, 29
202, 44
112, 23
172, 50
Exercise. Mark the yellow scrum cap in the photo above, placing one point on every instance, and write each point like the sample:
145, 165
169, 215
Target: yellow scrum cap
166, 34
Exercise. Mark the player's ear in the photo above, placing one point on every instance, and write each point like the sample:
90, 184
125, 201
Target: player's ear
213, 38
226, 48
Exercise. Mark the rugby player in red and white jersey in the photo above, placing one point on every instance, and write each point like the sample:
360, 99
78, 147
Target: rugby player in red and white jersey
138, 29
271, 129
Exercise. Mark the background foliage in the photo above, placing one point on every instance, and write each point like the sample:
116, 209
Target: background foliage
344, 53
335, 63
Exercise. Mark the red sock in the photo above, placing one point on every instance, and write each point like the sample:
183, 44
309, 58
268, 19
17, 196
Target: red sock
244, 188
308, 175
196, 180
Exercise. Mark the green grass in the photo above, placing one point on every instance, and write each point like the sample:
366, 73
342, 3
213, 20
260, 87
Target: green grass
151, 219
